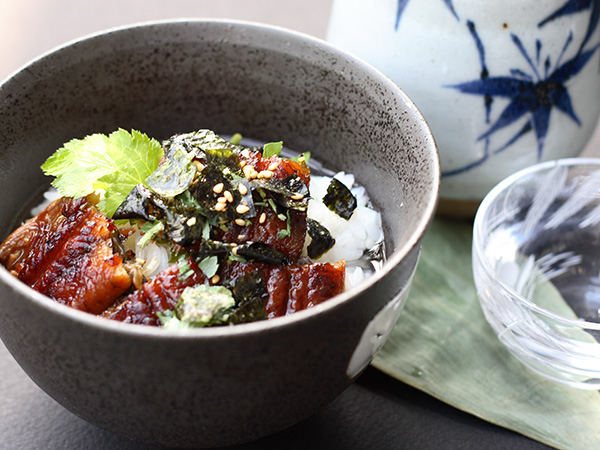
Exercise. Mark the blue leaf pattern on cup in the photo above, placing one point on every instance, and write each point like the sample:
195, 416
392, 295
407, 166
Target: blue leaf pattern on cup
533, 92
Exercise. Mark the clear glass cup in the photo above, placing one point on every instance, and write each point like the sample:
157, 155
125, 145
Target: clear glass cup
536, 263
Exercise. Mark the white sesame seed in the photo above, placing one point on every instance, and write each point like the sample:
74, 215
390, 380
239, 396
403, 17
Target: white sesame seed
262, 218
228, 195
242, 189
240, 222
265, 174
218, 188
191, 221
242, 209
215, 279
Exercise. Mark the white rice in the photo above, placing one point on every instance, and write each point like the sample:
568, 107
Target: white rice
352, 237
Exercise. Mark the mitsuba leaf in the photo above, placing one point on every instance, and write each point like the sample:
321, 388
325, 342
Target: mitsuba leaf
321, 239
114, 163
339, 199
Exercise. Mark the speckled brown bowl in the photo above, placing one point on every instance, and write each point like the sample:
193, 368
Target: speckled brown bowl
213, 387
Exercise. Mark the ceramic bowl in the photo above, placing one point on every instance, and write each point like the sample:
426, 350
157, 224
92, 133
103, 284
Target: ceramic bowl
536, 242
504, 84
214, 387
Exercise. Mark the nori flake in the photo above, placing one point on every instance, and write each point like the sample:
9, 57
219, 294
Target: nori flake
251, 295
321, 239
339, 199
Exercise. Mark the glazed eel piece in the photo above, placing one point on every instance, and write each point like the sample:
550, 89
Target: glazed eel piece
66, 253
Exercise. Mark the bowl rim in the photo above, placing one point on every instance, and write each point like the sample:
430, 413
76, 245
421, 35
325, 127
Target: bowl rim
478, 239
427, 209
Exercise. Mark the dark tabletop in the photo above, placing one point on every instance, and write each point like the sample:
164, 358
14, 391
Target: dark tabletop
377, 412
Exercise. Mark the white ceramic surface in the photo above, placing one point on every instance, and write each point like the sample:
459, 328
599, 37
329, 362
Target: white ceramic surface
503, 84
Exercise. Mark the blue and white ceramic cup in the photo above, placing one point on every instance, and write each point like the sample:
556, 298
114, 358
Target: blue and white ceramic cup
504, 84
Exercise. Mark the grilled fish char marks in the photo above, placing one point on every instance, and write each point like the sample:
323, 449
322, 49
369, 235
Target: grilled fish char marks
66, 253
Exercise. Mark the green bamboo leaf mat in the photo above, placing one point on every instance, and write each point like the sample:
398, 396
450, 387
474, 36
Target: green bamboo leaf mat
443, 345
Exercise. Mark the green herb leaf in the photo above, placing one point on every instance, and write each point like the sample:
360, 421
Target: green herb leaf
148, 235
209, 266
282, 234
183, 266
272, 149
114, 163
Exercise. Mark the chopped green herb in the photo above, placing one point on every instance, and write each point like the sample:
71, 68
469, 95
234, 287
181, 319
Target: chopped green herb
283, 234
209, 266
236, 139
183, 265
155, 229
272, 149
